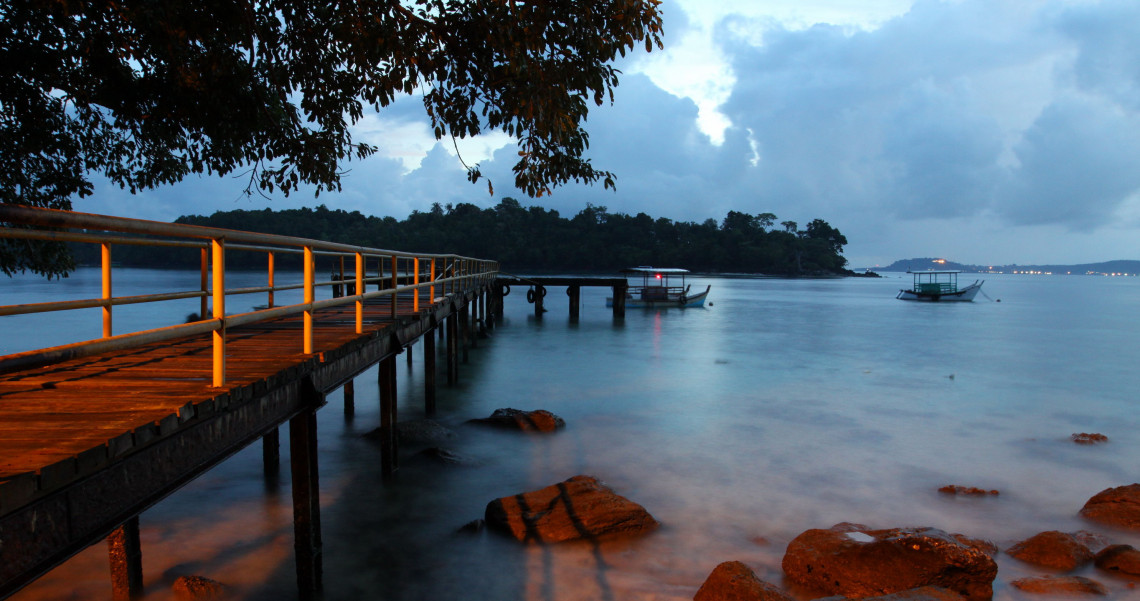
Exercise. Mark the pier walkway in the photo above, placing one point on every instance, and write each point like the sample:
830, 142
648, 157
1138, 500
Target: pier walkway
95, 432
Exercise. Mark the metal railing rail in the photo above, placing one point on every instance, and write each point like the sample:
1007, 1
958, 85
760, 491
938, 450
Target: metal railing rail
448, 273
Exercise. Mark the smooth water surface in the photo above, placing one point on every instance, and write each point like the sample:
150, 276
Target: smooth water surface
784, 405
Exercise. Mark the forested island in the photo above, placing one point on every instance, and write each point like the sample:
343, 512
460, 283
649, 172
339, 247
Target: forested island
539, 240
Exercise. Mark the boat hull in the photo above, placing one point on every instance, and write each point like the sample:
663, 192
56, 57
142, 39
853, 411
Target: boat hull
966, 294
683, 302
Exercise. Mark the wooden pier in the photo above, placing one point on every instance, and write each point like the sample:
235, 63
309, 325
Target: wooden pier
536, 294
94, 433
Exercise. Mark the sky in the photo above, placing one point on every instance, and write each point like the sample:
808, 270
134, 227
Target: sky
978, 131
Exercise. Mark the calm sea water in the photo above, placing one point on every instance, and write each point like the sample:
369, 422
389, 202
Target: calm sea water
784, 405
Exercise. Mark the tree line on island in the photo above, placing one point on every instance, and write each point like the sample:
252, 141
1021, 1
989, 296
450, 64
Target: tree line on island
536, 239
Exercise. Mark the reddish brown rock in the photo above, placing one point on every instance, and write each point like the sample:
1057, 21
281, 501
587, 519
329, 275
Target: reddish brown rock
539, 420
1118, 507
971, 491
1052, 549
866, 563
734, 581
924, 593
581, 507
1055, 585
1088, 438
1119, 559
197, 588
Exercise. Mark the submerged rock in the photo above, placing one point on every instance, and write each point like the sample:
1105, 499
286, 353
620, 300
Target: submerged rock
1088, 438
448, 457
1052, 549
1119, 559
197, 588
578, 508
1054, 585
734, 581
1118, 507
539, 420
856, 562
971, 491
423, 431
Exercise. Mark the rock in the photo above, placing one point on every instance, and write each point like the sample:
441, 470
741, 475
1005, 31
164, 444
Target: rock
195, 588
923, 593
448, 457
1095, 542
966, 490
1118, 507
984, 546
422, 431
581, 507
865, 563
1088, 438
1060, 585
1119, 559
539, 420
734, 581
473, 527
1052, 549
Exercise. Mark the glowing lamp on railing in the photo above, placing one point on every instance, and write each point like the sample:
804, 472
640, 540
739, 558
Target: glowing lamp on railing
659, 276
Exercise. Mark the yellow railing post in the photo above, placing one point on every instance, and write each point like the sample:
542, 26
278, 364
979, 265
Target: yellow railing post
416, 283
359, 292
217, 246
309, 298
272, 269
204, 304
431, 290
106, 256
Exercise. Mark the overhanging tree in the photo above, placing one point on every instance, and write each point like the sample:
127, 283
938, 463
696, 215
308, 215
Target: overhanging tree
146, 93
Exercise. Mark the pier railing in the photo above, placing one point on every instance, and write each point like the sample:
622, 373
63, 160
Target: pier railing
393, 272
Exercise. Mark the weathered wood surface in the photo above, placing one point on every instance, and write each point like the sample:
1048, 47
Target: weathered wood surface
90, 442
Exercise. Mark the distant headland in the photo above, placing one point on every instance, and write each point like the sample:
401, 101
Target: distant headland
1117, 268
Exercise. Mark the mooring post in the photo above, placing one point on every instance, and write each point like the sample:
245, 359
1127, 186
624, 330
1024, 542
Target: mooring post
500, 291
452, 349
125, 552
306, 496
271, 457
619, 300
349, 399
389, 460
429, 373
409, 353
575, 294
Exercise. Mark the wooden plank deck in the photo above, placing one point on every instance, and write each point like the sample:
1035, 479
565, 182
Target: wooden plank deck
88, 442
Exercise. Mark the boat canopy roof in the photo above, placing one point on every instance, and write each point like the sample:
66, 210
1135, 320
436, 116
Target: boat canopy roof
662, 270
924, 271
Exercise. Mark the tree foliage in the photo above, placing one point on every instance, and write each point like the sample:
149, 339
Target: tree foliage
536, 239
146, 93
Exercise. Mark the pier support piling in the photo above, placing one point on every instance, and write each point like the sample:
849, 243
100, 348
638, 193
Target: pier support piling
271, 457
349, 399
429, 373
125, 552
452, 351
389, 450
306, 497
575, 294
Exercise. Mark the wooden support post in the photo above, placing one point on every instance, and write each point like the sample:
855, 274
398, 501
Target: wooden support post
409, 353
500, 293
465, 331
619, 301
429, 373
349, 399
125, 552
271, 457
539, 294
575, 294
306, 499
452, 349
389, 449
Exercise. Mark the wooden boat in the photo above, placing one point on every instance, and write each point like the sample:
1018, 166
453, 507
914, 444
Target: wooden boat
939, 286
657, 288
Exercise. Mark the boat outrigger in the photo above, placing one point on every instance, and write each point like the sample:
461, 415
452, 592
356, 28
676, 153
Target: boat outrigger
939, 286
656, 290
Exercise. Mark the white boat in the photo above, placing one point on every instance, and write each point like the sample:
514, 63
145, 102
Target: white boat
657, 289
939, 286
